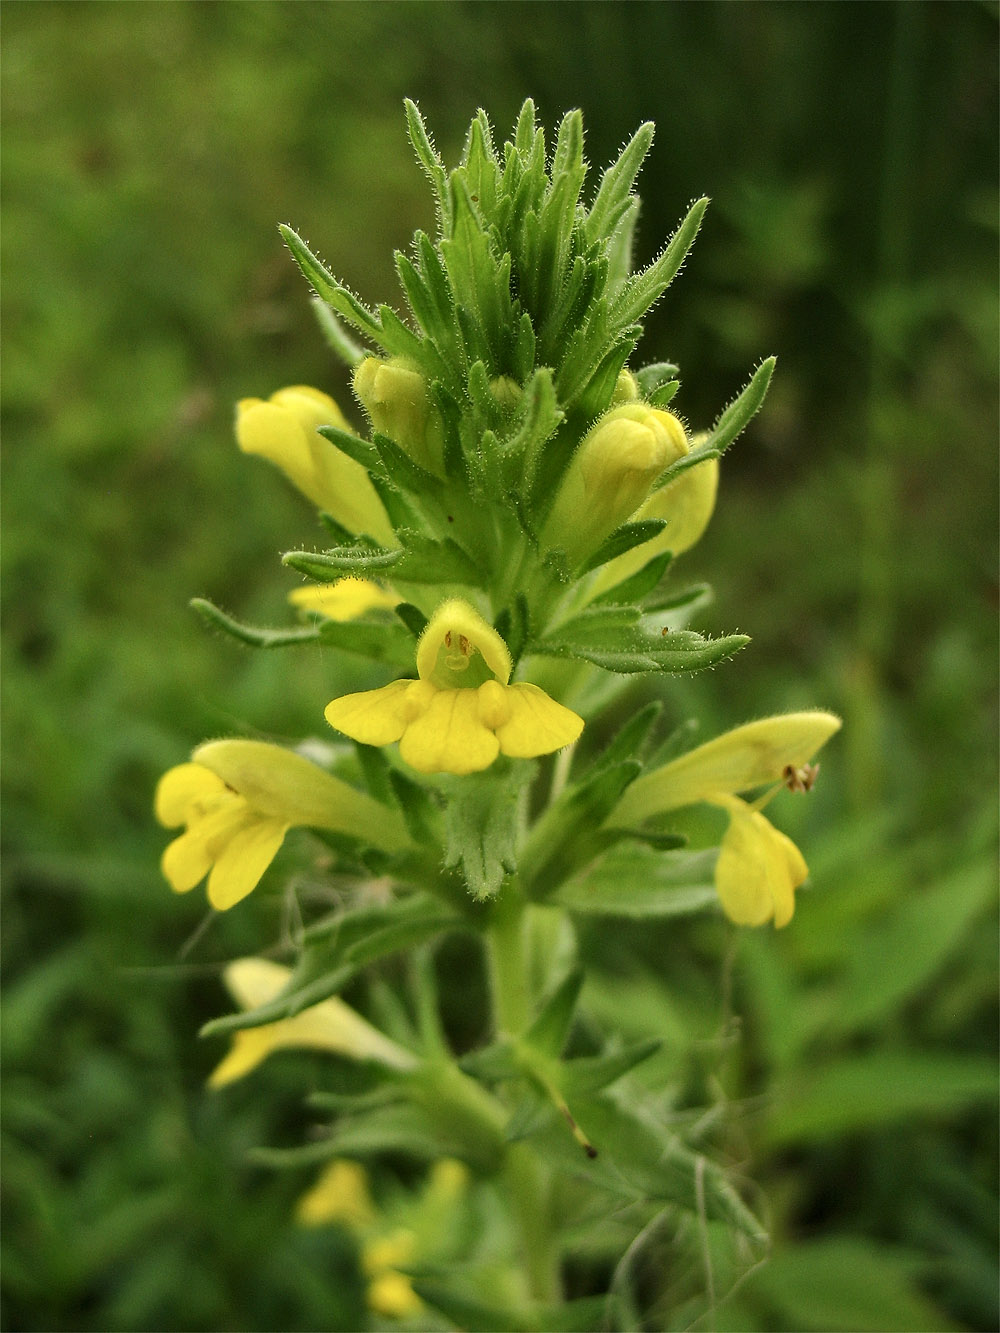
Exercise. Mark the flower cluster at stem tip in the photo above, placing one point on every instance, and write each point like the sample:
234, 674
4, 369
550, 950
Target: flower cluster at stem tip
501, 533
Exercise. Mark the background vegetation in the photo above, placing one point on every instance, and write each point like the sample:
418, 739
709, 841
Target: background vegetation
149, 151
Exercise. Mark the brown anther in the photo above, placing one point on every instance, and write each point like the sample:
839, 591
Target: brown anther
463, 645
800, 779
447, 638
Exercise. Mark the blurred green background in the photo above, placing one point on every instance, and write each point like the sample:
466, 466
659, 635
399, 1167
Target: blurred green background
850, 150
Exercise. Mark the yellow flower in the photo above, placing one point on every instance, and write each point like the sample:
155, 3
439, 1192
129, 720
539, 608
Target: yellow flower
345, 599
237, 800
610, 475
390, 1292
758, 868
284, 430
340, 1195
330, 1025
461, 712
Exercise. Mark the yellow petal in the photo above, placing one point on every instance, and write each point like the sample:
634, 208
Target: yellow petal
311, 407
188, 859
343, 600
391, 1294
537, 725
185, 862
250, 1047
339, 1195
686, 503
748, 756
449, 737
276, 434
330, 1025
181, 790
758, 869
242, 862
373, 717
284, 430
334, 1026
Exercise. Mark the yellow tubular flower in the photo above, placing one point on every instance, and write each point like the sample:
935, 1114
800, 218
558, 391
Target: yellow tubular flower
237, 800
330, 1026
749, 756
758, 868
343, 600
610, 476
461, 712
284, 430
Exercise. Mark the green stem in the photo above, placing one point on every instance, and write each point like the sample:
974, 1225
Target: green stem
528, 1180
507, 963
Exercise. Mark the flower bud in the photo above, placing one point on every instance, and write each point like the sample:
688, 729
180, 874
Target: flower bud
626, 389
395, 396
686, 503
610, 476
507, 392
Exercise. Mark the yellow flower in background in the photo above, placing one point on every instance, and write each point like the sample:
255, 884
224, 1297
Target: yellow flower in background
346, 599
284, 430
461, 712
758, 868
341, 1195
331, 1026
236, 801
390, 1292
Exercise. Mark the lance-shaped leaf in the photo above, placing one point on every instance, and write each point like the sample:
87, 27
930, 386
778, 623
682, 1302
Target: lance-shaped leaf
624, 539
741, 411
549, 1029
614, 196
626, 648
639, 881
255, 636
591, 1073
335, 335
642, 290
429, 160
637, 585
357, 559
349, 941
334, 293
655, 376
